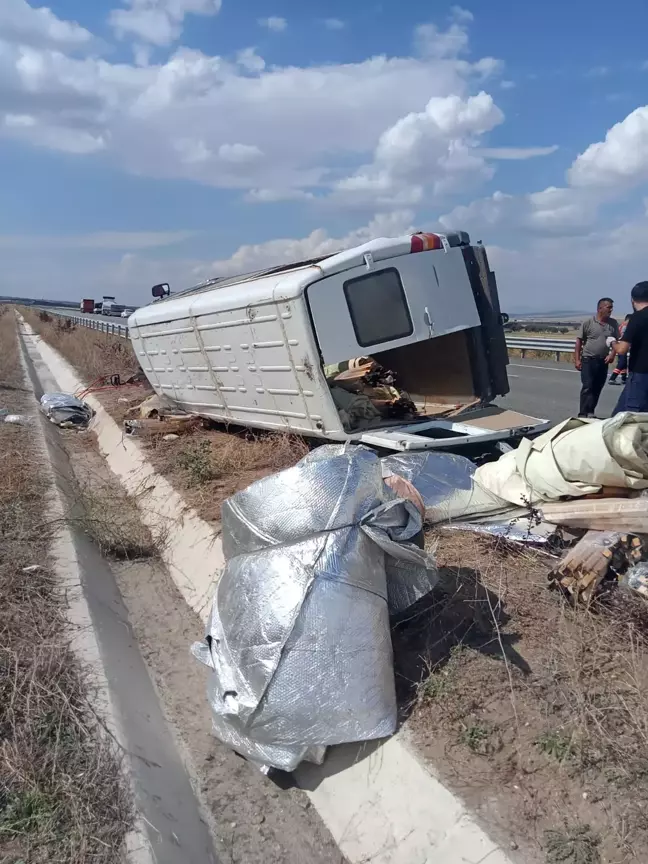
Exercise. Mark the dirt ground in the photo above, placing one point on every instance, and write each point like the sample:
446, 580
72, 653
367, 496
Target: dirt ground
63, 799
251, 818
535, 713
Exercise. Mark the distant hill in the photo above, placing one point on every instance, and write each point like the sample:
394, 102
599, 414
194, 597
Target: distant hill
548, 315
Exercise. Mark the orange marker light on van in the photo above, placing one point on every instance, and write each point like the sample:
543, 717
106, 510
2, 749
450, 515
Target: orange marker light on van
425, 242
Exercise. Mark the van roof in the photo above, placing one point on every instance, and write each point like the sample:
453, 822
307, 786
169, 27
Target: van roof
290, 279
225, 281
384, 247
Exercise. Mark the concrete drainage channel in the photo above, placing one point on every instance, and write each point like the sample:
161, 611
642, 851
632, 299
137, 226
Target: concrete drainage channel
380, 802
171, 827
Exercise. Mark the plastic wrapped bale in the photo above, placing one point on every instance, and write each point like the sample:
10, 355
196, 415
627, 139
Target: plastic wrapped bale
65, 410
446, 483
299, 636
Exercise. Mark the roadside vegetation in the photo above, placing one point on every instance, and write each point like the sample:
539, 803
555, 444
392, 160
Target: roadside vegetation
534, 711
208, 465
93, 353
63, 799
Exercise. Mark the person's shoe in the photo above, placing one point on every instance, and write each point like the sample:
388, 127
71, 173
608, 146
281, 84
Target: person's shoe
624, 379
614, 379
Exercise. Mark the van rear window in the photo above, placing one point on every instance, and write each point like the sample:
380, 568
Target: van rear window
378, 307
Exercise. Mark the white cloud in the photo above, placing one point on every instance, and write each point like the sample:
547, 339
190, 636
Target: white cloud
249, 60
604, 172
462, 15
39, 28
430, 41
621, 159
277, 25
507, 84
239, 154
171, 119
554, 210
157, 21
572, 272
141, 54
319, 242
117, 263
434, 149
271, 196
334, 24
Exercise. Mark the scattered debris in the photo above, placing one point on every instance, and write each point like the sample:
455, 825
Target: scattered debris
33, 568
604, 514
170, 437
15, 419
576, 458
585, 566
65, 410
154, 406
637, 578
176, 425
364, 393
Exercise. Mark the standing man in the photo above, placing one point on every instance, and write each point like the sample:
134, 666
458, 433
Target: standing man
594, 353
635, 340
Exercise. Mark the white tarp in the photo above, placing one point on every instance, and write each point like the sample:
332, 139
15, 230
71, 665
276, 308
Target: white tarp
577, 457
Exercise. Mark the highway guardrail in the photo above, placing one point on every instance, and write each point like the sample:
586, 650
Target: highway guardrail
519, 343
554, 346
97, 323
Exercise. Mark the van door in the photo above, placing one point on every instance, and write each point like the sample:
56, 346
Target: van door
484, 288
391, 303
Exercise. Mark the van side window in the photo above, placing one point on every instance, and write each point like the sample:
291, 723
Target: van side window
378, 307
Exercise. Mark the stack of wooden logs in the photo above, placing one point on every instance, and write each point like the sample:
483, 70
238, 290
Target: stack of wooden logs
586, 565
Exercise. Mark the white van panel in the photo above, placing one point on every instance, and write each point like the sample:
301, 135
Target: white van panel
438, 294
255, 366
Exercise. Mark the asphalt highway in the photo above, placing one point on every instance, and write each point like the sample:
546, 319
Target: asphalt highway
550, 390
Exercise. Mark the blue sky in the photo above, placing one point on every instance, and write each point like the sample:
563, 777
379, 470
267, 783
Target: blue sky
150, 140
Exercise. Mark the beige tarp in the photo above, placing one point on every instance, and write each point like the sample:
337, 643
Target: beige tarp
575, 458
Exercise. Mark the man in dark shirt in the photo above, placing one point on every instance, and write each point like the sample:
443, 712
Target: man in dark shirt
635, 341
594, 353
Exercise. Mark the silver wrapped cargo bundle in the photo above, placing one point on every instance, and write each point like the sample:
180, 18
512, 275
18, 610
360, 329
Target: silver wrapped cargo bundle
298, 639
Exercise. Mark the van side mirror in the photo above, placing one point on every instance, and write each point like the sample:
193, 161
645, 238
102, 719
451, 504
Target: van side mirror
162, 290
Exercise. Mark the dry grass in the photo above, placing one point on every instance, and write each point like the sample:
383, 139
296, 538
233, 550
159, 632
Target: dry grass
92, 353
208, 465
62, 795
542, 355
535, 707
109, 515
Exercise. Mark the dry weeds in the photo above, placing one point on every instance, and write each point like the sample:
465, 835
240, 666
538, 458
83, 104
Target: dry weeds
110, 516
92, 353
208, 465
537, 712
62, 795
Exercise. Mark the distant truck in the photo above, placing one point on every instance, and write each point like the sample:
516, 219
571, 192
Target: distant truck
109, 307
87, 305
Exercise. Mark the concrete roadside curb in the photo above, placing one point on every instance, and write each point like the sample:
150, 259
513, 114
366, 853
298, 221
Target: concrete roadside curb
380, 801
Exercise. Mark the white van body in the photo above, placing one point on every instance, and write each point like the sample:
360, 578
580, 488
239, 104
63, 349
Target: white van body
250, 350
